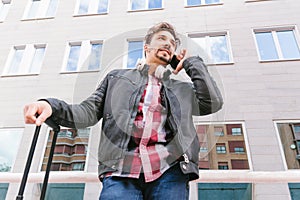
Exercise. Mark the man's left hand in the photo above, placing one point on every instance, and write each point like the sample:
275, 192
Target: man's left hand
181, 56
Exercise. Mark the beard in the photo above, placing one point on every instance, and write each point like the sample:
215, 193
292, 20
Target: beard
162, 58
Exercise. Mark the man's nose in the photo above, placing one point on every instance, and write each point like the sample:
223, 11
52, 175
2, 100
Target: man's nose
167, 46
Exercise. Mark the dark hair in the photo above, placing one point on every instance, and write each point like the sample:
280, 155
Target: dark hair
162, 26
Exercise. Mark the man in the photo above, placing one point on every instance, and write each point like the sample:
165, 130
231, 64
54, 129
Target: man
148, 147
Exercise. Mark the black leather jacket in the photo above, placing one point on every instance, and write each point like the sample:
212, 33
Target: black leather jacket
116, 100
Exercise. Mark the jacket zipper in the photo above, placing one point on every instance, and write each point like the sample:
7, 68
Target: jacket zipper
174, 121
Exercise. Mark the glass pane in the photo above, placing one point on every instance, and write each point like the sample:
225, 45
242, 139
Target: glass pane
78, 167
294, 190
155, 4
227, 191
287, 139
138, 4
74, 191
3, 190
218, 131
33, 9
37, 60
135, 51
202, 42
3, 10
84, 7
9, 143
298, 145
15, 63
221, 150
193, 2
288, 44
297, 128
219, 50
73, 58
70, 150
266, 46
211, 1
52, 8
102, 7
236, 131
95, 57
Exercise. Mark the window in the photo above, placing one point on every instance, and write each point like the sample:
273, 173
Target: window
223, 165
234, 129
4, 7
40, 9
214, 149
216, 46
94, 61
59, 150
296, 128
86, 7
78, 167
66, 133
236, 146
83, 56
221, 148
3, 190
80, 149
225, 191
135, 51
290, 140
218, 131
145, 4
70, 150
83, 132
9, 144
74, 53
26, 59
201, 2
74, 191
277, 45
203, 149
239, 150
294, 190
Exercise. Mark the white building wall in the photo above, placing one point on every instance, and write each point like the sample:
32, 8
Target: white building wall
256, 93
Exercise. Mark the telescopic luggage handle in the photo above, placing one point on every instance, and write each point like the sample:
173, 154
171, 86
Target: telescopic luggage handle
55, 129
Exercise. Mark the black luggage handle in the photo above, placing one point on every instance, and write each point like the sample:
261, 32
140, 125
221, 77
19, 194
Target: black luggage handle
56, 129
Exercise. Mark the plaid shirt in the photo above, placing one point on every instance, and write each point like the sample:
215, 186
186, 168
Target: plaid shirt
146, 151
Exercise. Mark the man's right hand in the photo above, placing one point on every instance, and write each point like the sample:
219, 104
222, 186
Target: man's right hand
37, 113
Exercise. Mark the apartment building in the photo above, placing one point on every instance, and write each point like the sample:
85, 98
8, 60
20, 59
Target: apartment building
63, 48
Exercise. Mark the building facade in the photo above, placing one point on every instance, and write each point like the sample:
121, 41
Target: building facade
63, 48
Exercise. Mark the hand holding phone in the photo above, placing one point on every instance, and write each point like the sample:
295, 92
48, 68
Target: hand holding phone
174, 62
177, 61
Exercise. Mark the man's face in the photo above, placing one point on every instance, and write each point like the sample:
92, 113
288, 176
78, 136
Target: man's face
161, 48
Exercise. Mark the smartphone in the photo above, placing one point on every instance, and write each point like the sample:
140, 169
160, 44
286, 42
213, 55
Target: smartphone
174, 62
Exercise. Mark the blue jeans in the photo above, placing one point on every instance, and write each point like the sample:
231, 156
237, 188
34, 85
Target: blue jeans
173, 184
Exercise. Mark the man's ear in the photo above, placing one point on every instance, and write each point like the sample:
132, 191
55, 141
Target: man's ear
146, 49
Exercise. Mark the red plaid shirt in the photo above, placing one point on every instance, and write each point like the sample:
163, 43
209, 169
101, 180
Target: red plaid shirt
146, 151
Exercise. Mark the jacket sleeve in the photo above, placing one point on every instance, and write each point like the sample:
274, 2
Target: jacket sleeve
82, 115
208, 97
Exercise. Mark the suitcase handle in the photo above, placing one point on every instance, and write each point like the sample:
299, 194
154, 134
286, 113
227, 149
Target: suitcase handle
56, 129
